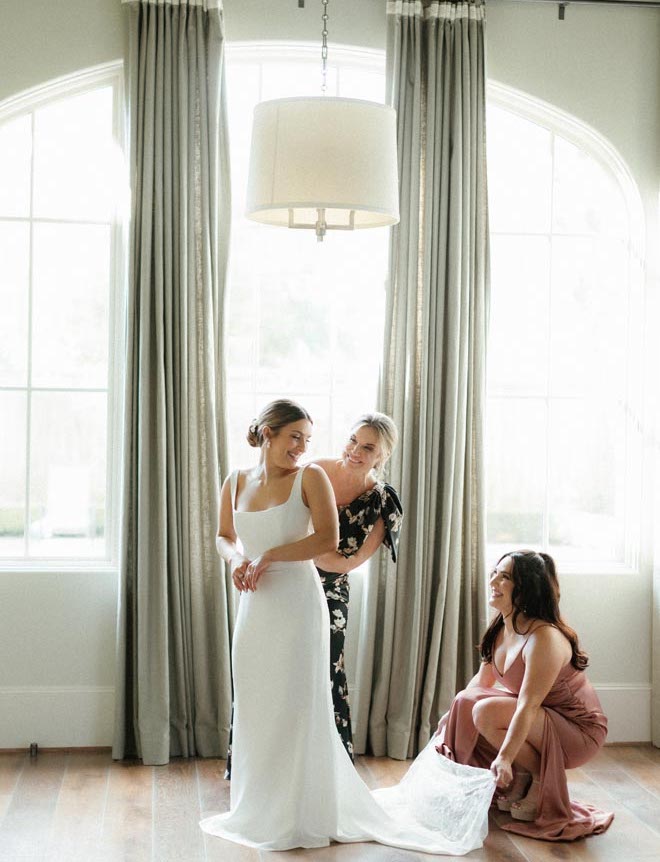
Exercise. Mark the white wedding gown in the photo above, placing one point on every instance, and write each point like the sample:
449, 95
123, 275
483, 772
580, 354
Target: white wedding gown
293, 784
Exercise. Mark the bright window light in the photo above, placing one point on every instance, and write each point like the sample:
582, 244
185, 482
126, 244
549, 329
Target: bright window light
563, 444
304, 320
60, 174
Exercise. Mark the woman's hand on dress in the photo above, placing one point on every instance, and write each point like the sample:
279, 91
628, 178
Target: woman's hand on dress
238, 565
255, 570
502, 769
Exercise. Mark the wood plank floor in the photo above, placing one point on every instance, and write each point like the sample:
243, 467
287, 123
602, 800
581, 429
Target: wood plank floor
83, 807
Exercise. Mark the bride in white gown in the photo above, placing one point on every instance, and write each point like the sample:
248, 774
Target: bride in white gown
293, 784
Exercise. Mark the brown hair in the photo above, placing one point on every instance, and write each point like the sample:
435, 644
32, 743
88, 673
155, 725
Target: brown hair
388, 435
275, 416
535, 594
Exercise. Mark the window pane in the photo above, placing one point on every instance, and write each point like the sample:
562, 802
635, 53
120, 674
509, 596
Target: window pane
587, 198
519, 173
587, 466
77, 166
516, 456
68, 474
70, 319
566, 326
12, 470
15, 158
295, 78
362, 84
589, 317
243, 87
14, 295
518, 340
305, 318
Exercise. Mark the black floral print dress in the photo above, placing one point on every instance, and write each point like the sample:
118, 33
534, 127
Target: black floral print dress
356, 521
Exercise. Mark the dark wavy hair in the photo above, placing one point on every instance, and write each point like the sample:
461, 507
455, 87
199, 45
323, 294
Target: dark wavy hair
536, 595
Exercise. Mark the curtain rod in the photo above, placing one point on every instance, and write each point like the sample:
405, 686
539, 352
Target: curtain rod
637, 4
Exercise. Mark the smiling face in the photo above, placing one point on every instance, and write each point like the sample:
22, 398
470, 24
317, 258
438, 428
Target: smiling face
286, 445
363, 451
501, 587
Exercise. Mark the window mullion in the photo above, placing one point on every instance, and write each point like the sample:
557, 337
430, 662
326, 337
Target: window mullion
28, 392
548, 375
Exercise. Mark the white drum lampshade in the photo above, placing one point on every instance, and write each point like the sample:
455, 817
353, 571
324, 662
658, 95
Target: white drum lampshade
323, 163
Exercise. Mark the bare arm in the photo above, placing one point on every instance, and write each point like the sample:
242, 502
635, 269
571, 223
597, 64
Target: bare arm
545, 655
336, 562
483, 678
317, 492
226, 539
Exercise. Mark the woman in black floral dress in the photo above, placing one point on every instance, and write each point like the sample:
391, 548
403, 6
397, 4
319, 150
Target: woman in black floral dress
370, 514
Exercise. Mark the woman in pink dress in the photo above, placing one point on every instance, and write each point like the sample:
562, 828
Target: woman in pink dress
542, 718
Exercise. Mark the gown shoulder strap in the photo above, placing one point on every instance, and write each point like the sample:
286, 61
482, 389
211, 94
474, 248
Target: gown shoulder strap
534, 630
296, 490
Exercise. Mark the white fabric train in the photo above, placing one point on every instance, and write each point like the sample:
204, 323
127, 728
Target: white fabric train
293, 784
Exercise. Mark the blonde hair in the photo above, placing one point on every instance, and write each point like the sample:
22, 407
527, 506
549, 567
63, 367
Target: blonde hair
388, 435
275, 416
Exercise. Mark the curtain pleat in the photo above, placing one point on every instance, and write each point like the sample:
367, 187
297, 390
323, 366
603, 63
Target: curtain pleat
431, 607
173, 691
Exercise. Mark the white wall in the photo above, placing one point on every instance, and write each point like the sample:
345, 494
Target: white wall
44, 39
601, 64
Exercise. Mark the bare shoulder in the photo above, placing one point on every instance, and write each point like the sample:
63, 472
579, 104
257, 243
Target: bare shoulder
546, 638
316, 487
226, 485
314, 473
328, 465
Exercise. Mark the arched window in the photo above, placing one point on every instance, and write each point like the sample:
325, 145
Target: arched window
305, 319
564, 448
60, 171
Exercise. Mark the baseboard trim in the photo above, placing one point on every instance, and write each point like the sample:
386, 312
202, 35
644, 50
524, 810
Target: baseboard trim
56, 716
628, 710
79, 717
66, 749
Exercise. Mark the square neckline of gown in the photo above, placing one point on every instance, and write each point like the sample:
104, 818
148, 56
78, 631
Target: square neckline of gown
270, 508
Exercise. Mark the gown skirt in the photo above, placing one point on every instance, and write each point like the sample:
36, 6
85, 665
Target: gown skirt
293, 783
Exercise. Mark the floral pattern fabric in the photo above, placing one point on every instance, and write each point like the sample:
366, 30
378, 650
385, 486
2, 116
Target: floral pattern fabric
356, 521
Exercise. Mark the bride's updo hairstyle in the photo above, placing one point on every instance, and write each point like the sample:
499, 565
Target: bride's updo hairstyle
275, 416
388, 435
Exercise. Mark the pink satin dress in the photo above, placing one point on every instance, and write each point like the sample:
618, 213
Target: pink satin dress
574, 731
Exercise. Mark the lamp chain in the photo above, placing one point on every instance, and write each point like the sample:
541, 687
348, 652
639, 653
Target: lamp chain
324, 48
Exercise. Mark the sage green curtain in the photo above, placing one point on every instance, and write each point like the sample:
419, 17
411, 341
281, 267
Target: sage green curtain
173, 687
431, 608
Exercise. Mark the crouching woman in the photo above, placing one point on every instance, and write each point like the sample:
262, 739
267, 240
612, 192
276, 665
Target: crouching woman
530, 713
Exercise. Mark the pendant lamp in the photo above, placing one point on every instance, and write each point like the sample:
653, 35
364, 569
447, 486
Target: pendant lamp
323, 163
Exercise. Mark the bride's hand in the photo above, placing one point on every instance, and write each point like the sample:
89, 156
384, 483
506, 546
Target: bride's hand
238, 571
255, 570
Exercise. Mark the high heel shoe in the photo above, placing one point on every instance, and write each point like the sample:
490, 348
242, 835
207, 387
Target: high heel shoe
519, 787
527, 809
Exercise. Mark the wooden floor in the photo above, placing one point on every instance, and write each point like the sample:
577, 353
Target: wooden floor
82, 807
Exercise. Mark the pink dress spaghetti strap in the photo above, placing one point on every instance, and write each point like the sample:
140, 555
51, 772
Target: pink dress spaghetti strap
574, 731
